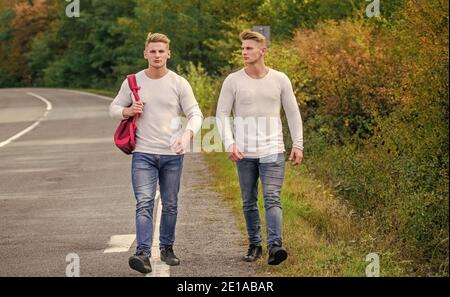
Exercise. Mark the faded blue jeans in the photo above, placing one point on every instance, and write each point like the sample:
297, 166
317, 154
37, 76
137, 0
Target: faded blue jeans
271, 171
146, 170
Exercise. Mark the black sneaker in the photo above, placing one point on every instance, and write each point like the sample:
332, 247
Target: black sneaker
140, 263
169, 257
254, 253
277, 253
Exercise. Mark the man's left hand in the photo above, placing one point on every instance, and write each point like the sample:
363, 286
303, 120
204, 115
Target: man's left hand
296, 156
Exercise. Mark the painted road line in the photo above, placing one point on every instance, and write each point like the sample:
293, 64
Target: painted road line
34, 125
63, 141
120, 243
159, 268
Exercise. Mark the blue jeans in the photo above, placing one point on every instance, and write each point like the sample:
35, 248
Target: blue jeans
146, 170
271, 171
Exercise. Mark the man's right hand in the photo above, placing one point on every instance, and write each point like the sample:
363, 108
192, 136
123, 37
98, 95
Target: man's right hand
233, 153
136, 108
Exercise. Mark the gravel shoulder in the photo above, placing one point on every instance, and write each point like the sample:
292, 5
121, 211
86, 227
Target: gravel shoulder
208, 241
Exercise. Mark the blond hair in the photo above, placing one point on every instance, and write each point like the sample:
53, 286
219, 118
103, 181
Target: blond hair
157, 37
252, 35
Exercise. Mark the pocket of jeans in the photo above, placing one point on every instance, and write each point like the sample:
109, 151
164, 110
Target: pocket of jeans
138, 162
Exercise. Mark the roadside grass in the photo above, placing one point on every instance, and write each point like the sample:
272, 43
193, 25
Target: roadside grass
323, 236
108, 93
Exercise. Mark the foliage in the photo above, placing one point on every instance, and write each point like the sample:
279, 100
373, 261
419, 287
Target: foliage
373, 93
394, 85
205, 88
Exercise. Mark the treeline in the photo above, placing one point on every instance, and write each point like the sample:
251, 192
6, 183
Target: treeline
373, 92
40, 45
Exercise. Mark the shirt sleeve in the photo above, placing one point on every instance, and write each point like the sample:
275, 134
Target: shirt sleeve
224, 108
190, 107
292, 112
122, 100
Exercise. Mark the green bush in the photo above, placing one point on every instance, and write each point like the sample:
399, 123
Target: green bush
204, 86
379, 136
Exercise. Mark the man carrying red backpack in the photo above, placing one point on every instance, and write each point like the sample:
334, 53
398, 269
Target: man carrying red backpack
160, 145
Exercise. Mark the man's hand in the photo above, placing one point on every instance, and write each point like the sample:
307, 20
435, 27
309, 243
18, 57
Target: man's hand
296, 156
180, 145
233, 153
136, 108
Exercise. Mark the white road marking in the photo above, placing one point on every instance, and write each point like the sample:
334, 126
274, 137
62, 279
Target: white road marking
120, 243
63, 141
34, 125
159, 268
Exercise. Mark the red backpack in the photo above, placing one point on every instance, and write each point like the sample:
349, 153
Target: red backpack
124, 137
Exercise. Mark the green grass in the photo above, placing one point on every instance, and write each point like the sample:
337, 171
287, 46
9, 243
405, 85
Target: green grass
321, 233
107, 93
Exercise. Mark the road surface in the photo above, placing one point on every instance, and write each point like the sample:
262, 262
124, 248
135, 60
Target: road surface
66, 200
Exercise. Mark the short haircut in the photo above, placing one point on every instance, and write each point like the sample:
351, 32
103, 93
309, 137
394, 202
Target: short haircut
157, 37
252, 35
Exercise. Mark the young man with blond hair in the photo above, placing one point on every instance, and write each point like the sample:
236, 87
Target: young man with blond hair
255, 95
160, 146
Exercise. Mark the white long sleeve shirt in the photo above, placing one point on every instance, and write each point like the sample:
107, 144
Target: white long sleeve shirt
165, 99
256, 105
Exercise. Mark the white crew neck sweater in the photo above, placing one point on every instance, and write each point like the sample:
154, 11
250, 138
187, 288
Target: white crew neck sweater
256, 106
165, 99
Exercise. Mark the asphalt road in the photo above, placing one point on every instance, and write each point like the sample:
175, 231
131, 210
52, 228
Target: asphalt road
65, 191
